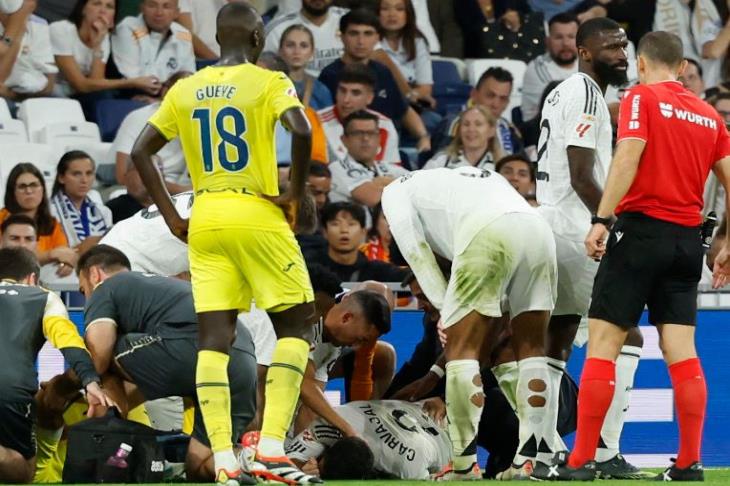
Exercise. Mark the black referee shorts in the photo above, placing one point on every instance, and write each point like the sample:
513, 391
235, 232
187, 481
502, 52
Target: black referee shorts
164, 367
16, 427
648, 262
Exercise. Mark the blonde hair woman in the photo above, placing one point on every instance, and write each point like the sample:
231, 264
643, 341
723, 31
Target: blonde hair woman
475, 142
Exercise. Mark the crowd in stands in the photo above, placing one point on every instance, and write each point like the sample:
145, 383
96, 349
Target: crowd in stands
384, 83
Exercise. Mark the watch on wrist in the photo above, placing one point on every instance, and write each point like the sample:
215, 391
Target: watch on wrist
604, 221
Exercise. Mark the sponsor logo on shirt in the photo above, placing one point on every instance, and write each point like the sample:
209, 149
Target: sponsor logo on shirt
634, 123
666, 109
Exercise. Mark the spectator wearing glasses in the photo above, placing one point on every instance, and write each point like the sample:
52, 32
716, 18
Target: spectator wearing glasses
359, 177
25, 193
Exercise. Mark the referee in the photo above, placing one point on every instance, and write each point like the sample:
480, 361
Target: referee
668, 141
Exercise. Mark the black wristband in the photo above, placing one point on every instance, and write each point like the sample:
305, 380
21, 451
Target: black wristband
607, 222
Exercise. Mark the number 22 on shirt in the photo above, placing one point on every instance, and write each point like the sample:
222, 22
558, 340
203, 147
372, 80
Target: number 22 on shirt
232, 150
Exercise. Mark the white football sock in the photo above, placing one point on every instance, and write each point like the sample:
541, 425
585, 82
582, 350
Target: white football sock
507, 374
556, 368
626, 364
464, 404
536, 405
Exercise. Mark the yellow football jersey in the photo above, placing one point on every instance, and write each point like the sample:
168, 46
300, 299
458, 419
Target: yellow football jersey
225, 117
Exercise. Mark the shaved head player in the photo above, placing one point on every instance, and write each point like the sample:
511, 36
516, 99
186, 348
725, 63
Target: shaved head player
239, 230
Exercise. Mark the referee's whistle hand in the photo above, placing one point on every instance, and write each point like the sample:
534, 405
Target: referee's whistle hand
596, 241
721, 269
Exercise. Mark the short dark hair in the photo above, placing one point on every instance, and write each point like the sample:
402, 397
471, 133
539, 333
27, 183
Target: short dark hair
105, 256
319, 169
563, 18
511, 158
662, 47
331, 210
695, 64
358, 74
722, 95
593, 27
360, 16
18, 218
348, 458
408, 279
358, 115
375, 308
18, 263
323, 279
497, 73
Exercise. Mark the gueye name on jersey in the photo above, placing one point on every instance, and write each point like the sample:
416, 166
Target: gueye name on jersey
217, 91
386, 436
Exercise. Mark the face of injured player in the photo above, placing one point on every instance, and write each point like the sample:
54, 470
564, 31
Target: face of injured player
344, 233
423, 303
346, 324
606, 52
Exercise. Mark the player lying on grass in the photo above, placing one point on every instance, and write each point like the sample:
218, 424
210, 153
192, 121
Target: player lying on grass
31, 315
143, 329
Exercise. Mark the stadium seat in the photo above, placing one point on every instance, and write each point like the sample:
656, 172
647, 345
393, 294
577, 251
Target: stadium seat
445, 72
38, 113
69, 133
111, 113
476, 67
4, 110
12, 131
459, 64
449, 89
203, 63
40, 155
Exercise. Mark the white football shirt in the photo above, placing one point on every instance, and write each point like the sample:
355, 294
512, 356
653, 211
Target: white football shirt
148, 242
575, 114
405, 442
441, 211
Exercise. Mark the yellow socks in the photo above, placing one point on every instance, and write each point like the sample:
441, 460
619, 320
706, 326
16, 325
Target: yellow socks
214, 399
283, 381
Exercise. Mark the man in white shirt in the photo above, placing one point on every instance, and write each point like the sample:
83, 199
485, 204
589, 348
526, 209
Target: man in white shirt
401, 440
359, 177
147, 242
27, 66
199, 17
559, 62
324, 22
499, 249
172, 160
153, 44
574, 154
355, 91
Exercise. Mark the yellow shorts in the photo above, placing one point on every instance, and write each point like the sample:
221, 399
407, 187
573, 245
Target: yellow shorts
230, 266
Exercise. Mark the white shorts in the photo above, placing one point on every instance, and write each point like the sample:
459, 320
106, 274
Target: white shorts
576, 272
262, 332
514, 256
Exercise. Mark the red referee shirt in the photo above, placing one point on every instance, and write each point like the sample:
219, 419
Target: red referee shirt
684, 138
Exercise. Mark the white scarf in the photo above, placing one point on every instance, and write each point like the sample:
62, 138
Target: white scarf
70, 219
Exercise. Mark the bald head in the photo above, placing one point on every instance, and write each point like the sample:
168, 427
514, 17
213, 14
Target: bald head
240, 27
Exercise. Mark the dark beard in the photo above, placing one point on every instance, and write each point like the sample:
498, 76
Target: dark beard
564, 62
315, 12
609, 74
